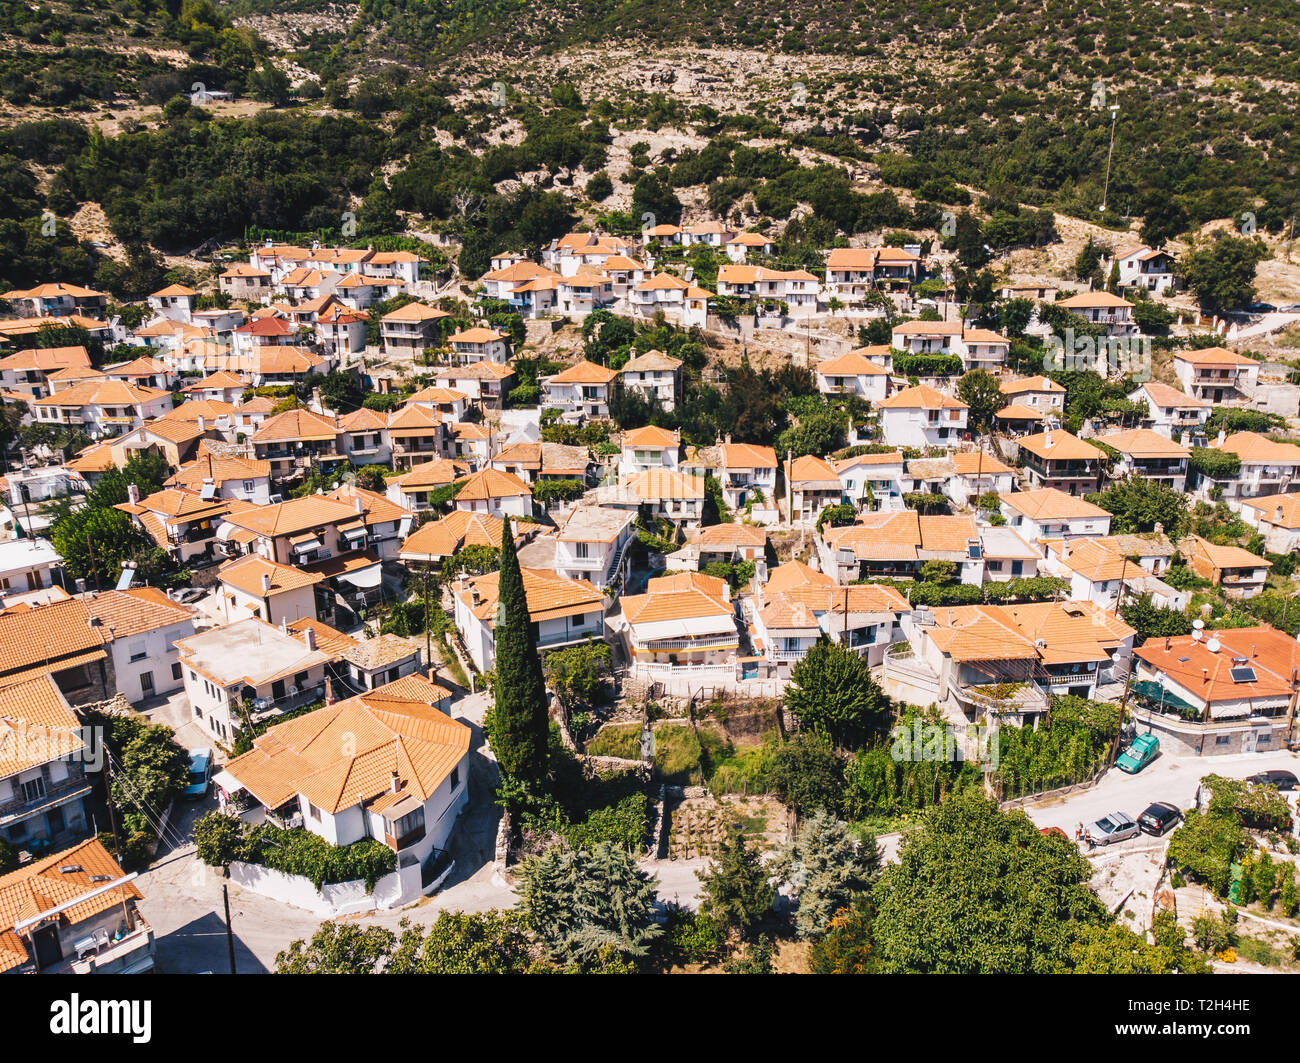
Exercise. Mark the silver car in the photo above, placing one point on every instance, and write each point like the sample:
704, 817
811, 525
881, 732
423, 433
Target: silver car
1113, 827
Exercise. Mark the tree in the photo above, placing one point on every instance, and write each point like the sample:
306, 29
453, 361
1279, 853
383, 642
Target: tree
583, 902
979, 390
831, 691
1115, 949
651, 195
978, 890
1138, 505
578, 673
846, 946
1150, 621
736, 889
219, 839
520, 718
1223, 274
8, 857
371, 478
340, 392
339, 948
491, 942
270, 84
828, 868
807, 774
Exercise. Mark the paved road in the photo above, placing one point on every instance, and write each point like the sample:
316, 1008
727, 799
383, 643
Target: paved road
1171, 779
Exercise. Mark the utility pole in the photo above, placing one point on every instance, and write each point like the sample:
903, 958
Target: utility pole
428, 635
230, 936
1114, 113
94, 571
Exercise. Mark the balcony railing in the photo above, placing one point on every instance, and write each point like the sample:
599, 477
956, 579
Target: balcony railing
19, 806
702, 643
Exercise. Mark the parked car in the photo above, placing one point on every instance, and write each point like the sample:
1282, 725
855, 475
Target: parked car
1159, 818
1291, 308
187, 595
200, 774
1283, 780
1261, 308
1113, 827
1139, 754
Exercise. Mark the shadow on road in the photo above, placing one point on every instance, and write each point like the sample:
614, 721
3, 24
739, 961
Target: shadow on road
200, 947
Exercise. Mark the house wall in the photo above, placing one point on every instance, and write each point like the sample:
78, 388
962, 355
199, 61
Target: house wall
155, 654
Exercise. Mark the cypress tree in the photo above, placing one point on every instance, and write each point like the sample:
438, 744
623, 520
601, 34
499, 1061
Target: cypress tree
520, 719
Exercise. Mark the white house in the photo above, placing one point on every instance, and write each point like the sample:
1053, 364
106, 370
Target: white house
1147, 268
1047, 513
387, 764
1170, 412
649, 447
1216, 374
922, 417
654, 376
144, 626
563, 612
863, 372
248, 668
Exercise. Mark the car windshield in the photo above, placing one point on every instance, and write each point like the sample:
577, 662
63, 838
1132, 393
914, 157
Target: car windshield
1105, 825
197, 777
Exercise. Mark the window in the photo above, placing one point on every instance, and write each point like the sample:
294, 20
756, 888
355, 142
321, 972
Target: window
176, 671
34, 789
455, 776
314, 813
582, 549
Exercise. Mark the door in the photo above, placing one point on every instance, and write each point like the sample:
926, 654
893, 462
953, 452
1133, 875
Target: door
54, 821
146, 683
48, 952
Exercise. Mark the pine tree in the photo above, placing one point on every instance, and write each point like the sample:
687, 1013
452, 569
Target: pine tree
588, 905
736, 891
519, 720
832, 692
829, 869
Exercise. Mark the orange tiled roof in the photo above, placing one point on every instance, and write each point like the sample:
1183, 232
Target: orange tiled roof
42, 885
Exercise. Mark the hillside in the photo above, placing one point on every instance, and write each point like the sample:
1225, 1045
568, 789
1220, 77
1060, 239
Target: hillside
488, 120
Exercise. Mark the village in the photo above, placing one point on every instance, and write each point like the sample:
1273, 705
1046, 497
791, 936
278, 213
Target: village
329, 452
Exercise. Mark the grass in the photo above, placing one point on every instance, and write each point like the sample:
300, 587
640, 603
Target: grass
452, 664
742, 771
1262, 953
616, 740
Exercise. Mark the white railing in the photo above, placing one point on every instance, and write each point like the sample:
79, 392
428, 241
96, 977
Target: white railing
702, 643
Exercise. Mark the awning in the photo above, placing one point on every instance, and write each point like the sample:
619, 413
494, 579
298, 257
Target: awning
1229, 712
364, 578
227, 782
1150, 691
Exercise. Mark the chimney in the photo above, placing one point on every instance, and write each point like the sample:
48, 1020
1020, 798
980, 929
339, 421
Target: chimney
1205, 675
284, 625
394, 783
309, 637
1223, 435
1166, 644
728, 437
359, 504
1277, 515
329, 689
1047, 436
203, 423
266, 583
1160, 528
132, 494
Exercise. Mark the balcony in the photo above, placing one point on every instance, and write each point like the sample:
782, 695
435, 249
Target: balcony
994, 700
17, 808
672, 645
408, 839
